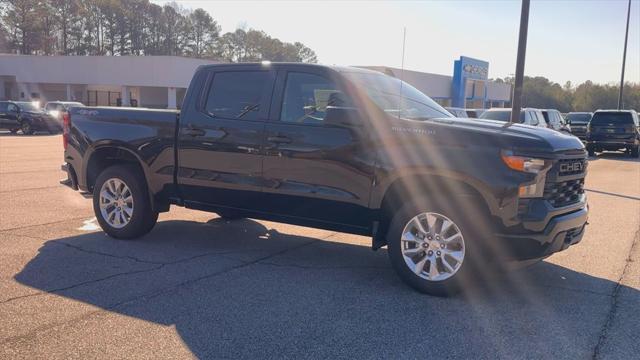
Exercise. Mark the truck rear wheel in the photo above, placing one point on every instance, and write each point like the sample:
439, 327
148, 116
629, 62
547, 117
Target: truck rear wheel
635, 151
121, 203
432, 248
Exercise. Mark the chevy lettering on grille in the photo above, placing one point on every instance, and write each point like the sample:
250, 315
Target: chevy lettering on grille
574, 167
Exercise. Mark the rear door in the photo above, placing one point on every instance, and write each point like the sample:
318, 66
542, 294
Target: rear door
221, 139
314, 170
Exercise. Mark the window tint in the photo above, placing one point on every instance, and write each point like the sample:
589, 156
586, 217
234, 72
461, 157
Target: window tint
306, 97
547, 116
579, 118
12, 108
3, 107
612, 118
502, 115
238, 94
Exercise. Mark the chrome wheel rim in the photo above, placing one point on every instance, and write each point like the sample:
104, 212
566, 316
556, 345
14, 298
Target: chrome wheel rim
26, 127
116, 203
432, 246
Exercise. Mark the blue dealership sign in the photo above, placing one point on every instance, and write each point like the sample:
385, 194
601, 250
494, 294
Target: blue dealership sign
464, 69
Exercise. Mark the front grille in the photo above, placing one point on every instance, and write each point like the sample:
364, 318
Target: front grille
564, 193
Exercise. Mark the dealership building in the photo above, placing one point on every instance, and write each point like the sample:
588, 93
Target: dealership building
161, 81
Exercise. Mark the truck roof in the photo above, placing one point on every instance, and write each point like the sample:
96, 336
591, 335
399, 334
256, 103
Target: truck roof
338, 68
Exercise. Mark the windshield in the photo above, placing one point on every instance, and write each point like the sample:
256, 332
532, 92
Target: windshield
27, 106
613, 118
579, 118
384, 91
501, 115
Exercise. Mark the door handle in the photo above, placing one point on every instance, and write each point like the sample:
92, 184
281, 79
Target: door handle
279, 139
191, 131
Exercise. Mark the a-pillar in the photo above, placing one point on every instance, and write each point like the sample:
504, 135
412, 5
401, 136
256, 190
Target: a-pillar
171, 98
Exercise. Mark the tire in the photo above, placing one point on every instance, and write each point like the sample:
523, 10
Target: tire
139, 219
26, 127
635, 151
13, 131
470, 256
591, 151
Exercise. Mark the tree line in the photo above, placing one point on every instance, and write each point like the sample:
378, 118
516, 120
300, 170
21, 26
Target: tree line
133, 27
540, 92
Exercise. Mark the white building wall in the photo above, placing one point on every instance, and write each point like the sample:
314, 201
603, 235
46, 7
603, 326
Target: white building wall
153, 97
106, 70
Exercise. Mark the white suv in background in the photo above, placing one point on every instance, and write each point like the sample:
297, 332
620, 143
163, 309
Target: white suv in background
528, 116
555, 120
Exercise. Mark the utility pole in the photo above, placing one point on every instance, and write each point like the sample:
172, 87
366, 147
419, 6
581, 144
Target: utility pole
624, 57
516, 100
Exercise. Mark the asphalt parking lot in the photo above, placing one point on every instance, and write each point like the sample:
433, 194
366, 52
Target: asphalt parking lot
197, 286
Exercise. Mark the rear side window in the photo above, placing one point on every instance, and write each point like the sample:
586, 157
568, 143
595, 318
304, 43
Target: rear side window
238, 94
612, 118
306, 97
3, 106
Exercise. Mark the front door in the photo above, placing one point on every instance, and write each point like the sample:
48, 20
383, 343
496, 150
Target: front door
221, 138
315, 170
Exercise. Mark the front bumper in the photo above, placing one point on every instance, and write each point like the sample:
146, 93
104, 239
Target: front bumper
558, 233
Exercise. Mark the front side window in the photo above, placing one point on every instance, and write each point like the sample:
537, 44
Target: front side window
238, 94
306, 97
385, 91
12, 108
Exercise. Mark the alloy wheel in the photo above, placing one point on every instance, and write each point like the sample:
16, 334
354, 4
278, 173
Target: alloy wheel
116, 203
432, 246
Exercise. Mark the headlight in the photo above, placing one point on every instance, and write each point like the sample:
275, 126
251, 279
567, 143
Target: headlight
522, 163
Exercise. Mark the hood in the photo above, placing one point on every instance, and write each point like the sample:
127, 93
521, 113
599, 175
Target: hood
518, 137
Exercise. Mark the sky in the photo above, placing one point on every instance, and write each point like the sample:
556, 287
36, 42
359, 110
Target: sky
573, 41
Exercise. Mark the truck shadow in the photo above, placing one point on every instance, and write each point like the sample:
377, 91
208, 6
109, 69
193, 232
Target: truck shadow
238, 289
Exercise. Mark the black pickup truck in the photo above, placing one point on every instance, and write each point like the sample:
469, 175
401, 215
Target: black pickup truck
337, 148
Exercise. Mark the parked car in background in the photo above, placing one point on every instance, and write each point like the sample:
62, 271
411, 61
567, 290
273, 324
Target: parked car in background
528, 116
27, 117
555, 121
475, 113
579, 121
457, 112
614, 130
57, 108
334, 148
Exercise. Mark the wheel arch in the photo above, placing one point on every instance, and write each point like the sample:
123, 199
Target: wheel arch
432, 186
105, 156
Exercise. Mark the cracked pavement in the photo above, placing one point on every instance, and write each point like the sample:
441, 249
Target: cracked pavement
198, 286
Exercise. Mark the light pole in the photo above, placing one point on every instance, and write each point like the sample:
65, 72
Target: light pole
624, 57
516, 101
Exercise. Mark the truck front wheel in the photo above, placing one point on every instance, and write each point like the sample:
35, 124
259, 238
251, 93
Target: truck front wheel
432, 247
121, 203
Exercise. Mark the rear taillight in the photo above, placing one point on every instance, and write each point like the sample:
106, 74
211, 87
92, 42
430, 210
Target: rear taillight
66, 128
